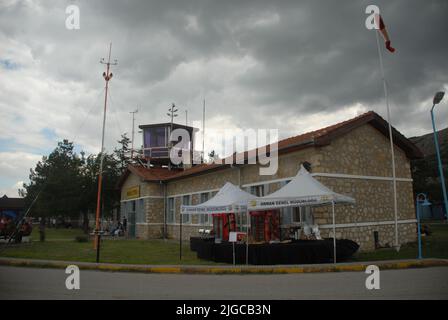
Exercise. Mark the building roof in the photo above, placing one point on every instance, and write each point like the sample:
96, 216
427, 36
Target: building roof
167, 124
11, 203
315, 138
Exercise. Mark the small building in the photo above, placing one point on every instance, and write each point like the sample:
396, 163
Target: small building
12, 207
351, 158
156, 145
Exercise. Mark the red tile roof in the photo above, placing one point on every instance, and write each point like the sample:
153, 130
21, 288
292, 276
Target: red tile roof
319, 137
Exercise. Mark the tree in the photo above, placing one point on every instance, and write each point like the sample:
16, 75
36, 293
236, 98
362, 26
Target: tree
67, 184
56, 179
110, 197
122, 154
212, 156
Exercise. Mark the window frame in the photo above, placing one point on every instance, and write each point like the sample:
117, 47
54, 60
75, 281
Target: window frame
171, 210
187, 216
204, 219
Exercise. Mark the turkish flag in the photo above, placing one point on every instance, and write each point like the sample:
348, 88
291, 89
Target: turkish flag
382, 28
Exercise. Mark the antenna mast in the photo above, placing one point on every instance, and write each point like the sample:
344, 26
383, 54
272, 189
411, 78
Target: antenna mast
133, 124
172, 112
107, 76
203, 132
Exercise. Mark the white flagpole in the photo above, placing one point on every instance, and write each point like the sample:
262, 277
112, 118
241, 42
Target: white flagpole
390, 138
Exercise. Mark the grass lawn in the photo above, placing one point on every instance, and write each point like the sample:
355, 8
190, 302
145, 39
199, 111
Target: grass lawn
433, 246
60, 245
56, 234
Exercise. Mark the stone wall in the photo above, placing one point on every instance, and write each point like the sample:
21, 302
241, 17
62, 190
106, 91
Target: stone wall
209, 181
362, 151
155, 208
149, 231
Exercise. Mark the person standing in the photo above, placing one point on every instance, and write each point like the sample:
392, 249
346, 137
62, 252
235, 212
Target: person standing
125, 226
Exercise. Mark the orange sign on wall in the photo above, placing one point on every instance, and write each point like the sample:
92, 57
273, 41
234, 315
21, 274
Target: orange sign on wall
133, 192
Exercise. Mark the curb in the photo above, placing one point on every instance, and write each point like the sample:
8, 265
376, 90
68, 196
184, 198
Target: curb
191, 269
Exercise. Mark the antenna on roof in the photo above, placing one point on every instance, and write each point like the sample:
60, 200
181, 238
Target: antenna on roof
172, 112
203, 132
132, 141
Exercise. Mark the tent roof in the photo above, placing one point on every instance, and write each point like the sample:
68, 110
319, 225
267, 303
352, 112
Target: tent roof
302, 190
229, 198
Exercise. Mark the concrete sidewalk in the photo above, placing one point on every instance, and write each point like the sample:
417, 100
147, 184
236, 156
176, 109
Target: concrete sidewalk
226, 269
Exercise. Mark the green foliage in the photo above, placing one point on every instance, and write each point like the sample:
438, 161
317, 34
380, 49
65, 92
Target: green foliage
56, 178
425, 171
67, 182
122, 154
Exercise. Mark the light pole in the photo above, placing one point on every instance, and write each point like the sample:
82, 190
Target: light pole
107, 76
421, 200
437, 98
132, 141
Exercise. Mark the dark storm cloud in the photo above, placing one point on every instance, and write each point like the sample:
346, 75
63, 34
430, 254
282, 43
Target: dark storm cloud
311, 56
329, 59
292, 65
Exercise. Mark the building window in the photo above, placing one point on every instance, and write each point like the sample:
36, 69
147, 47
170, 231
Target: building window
257, 190
133, 206
155, 137
186, 200
139, 211
204, 219
296, 216
170, 217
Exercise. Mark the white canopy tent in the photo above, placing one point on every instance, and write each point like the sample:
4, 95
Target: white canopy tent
229, 199
302, 190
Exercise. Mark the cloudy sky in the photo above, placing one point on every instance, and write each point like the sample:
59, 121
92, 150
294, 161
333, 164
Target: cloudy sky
291, 65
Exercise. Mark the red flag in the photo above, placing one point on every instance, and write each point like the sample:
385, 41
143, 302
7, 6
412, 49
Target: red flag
384, 33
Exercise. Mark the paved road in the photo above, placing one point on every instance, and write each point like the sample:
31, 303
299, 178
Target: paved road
29, 283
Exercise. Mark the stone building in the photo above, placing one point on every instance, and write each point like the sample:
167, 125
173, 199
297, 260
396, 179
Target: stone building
351, 158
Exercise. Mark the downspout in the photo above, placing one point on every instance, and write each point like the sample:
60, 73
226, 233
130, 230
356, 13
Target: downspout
164, 209
239, 176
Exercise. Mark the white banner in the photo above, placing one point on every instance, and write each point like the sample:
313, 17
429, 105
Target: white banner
265, 204
212, 209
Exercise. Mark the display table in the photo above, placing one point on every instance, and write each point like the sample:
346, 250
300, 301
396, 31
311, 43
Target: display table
295, 252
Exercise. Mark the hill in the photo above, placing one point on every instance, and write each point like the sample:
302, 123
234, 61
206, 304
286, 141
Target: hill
425, 171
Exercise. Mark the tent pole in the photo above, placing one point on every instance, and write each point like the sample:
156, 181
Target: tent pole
180, 238
334, 233
247, 236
